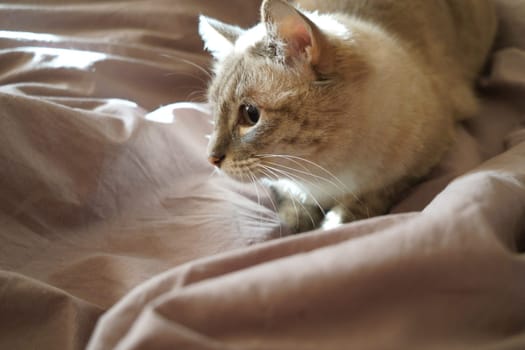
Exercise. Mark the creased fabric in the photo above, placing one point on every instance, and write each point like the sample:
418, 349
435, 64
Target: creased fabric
109, 212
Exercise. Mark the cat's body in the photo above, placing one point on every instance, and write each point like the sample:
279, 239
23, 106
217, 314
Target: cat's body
352, 103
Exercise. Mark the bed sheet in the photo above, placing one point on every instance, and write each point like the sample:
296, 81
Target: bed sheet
109, 212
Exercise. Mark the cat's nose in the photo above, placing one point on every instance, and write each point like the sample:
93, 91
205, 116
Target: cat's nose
216, 160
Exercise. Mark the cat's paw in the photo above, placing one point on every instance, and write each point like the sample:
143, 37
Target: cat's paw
333, 219
340, 215
299, 217
294, 214
353, 210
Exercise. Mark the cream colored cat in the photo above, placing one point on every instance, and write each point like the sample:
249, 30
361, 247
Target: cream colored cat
343, 104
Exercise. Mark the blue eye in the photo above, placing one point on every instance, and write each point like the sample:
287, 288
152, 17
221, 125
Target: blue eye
250, 114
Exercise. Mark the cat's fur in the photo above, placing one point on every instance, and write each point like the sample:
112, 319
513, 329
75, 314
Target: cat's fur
357, 99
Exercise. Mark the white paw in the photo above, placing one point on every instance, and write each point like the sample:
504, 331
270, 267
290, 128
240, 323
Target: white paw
332, 220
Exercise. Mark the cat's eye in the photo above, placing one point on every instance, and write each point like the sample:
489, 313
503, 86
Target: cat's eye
249, 114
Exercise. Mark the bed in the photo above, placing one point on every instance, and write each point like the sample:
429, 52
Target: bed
115, 233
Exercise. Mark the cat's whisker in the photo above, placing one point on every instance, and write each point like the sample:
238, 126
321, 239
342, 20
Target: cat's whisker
294, 180
211, 217
272, 202
270, 174
290, 157
259, 220
308, 173
292, 197
253, 179
343, 189
193, 64
187, 74
295, 209
265, 213
276, 210
318, 186
197, 96
254, 183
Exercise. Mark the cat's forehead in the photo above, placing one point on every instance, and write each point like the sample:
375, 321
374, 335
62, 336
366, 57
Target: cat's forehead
254, 72
229, 75
250, 73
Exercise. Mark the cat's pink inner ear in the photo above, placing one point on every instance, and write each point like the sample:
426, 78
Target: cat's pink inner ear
293, 28
298, 37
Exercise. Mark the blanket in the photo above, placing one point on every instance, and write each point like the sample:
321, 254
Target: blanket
115, 233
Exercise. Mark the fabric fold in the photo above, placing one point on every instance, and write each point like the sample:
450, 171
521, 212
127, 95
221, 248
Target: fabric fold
109, 207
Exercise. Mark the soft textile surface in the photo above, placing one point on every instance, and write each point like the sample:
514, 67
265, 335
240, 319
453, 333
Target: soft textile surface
102, 190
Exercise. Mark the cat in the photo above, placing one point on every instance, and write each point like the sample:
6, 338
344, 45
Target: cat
341, 105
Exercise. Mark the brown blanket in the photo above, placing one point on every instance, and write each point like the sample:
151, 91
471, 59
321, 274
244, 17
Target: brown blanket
107, 203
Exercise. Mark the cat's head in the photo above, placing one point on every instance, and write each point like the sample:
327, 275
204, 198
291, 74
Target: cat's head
282, 91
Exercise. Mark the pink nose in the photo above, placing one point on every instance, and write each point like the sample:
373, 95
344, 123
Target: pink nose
216, 160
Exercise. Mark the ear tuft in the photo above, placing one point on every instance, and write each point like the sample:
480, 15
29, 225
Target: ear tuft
219, 38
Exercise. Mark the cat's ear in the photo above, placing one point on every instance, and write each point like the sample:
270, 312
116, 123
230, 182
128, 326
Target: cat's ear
303, 39
219, 38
